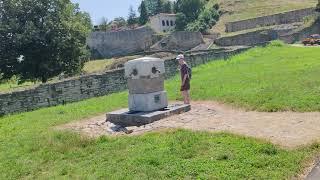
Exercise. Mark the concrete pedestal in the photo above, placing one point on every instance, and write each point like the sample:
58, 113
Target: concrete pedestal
125, 118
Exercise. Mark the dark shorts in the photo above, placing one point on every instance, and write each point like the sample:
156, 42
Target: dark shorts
186, 86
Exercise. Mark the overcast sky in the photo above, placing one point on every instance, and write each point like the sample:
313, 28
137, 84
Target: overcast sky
107, 8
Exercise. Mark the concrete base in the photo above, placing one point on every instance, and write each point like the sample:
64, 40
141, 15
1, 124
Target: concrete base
148, 102
125, 118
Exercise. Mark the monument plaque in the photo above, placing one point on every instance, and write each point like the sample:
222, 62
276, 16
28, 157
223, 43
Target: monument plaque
147, 98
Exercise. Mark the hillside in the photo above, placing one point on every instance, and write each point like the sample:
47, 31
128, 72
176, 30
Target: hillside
234, 10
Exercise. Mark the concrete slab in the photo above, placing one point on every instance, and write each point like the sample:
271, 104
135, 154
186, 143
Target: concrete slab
125, 118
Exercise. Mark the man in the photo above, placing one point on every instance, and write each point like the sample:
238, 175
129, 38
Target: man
185, 79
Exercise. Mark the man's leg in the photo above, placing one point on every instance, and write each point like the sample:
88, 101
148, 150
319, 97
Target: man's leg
183, 96
187, 97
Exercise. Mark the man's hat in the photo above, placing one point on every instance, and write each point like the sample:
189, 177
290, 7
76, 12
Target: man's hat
180, 56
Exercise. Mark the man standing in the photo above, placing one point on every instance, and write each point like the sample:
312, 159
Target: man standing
185, 79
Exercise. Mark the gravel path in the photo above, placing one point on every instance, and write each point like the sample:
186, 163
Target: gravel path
288, 129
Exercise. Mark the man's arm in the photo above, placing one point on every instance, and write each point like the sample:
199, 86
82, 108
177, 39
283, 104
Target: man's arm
184, 79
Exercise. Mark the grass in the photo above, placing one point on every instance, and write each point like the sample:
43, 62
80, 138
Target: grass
236, 10
284, 77
264, 79
11, 85
97, 65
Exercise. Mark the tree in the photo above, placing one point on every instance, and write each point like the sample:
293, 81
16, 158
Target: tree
158, 8
41, 39
155, 6
167, 7
318, 6
181, 22
151, 6
120, 21
132, 18
143, 19
103, 24
190, 8
205, 21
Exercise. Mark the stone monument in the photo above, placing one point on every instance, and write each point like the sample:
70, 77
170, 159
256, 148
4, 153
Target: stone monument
146, 84
147, 98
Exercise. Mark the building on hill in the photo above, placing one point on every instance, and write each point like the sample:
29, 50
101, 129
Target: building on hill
163, 22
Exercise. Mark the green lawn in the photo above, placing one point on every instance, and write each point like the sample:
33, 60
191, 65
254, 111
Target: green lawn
272, 78
263, 79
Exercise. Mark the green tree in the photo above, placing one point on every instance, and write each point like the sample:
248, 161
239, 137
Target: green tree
155, 6
181, 22
190, 8
143, 19
158, 7
318, 6
167, 7
120, 21
104, 24
205, 21
151, 6
132, 18
41, 39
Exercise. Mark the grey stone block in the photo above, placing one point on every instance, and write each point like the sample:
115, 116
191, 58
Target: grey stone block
145, 85
148, 102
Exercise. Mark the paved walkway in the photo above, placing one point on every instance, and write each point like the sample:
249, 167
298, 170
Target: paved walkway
288, 129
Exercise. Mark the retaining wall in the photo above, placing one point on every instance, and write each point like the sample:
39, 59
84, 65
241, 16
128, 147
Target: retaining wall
276, 19
181, 40
109, 44
288, 35
251, 38
302, 34
80, 88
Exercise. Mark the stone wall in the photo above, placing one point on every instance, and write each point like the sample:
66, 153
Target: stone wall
80, 88
109, 44
286, 33
276, 19
302, 34
247, 39
181, 40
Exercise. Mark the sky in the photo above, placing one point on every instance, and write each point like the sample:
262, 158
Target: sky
107, 8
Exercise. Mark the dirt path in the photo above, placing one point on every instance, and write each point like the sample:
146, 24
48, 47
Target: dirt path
288, 129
